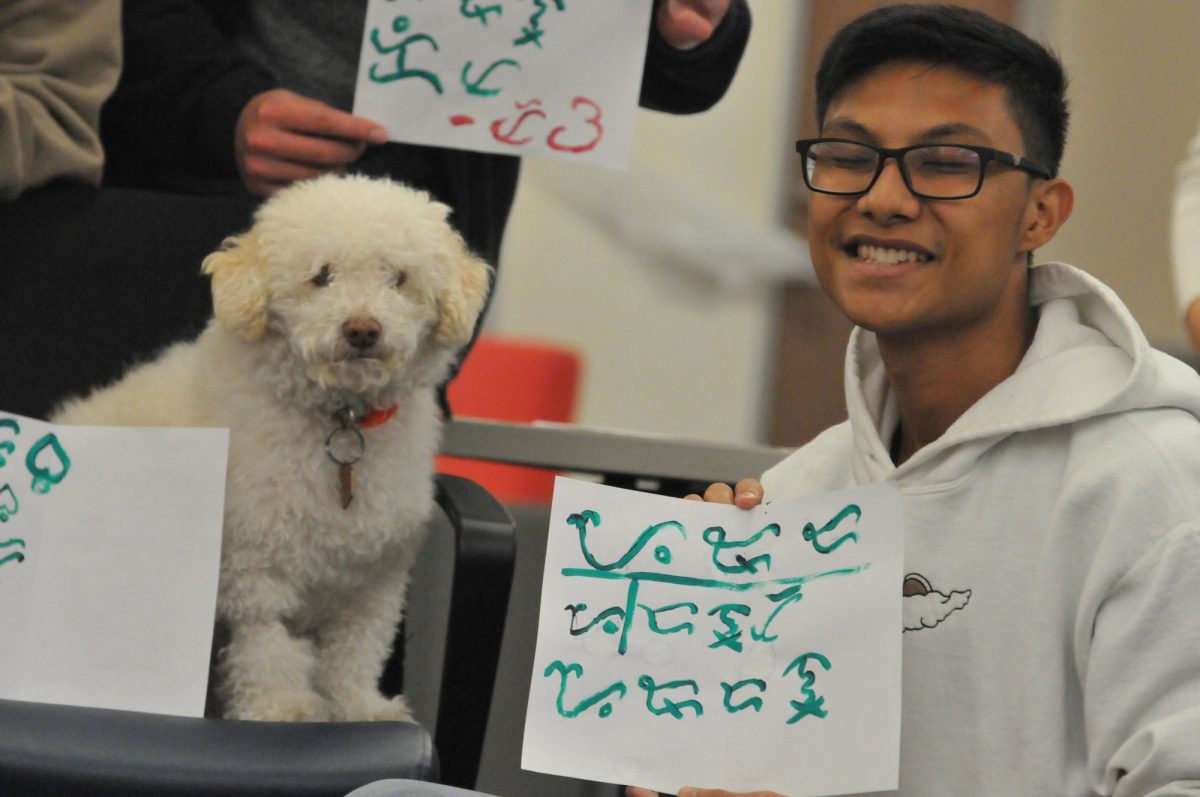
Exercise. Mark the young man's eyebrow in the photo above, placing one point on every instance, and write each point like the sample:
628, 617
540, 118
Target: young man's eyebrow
846, 126
850, 127
953, 129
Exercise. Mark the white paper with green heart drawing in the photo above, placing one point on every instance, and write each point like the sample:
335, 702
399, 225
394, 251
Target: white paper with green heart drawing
685, 643
556, 78
110, 543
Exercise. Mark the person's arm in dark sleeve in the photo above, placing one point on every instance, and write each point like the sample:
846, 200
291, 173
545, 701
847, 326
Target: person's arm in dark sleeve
690, 81
176, 106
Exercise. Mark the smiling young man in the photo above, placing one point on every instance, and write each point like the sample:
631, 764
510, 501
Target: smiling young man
1048, 459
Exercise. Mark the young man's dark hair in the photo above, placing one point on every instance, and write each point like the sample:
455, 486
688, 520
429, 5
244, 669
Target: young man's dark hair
965, 39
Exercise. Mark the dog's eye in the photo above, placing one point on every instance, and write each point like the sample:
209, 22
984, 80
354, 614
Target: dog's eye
323, 277
401, 278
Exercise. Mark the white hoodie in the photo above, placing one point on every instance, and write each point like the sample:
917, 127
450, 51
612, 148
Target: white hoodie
1052, 618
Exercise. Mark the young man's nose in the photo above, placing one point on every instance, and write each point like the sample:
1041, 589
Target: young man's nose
889, 198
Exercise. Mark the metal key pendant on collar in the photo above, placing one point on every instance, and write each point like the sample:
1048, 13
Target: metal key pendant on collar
345, 447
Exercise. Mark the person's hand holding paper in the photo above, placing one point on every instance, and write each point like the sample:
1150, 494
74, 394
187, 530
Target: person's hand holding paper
689, 23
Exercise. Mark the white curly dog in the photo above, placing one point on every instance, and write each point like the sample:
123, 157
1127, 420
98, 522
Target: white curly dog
336, 316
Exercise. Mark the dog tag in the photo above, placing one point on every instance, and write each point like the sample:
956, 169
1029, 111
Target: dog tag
346, 479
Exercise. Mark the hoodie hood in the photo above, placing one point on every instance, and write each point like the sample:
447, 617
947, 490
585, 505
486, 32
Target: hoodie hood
1088, 358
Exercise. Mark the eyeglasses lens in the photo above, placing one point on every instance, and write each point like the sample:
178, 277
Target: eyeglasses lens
841, 167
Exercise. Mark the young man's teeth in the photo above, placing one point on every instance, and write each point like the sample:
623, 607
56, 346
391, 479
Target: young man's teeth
879, 254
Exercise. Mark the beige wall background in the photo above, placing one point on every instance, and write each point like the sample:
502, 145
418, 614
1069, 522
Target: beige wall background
1134, 67
669, 349
666, 349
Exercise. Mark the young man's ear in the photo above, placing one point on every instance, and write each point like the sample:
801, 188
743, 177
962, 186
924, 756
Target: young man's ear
1050, 205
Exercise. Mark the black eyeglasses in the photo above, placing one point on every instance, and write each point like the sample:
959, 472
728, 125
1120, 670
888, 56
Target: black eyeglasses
933, 171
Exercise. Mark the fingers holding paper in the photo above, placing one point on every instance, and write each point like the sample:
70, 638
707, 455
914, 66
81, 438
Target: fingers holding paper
282, 137
689, 23
747, 493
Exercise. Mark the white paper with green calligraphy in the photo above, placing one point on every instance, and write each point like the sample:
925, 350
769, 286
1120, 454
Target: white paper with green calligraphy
557, 78
684, 643
110, 542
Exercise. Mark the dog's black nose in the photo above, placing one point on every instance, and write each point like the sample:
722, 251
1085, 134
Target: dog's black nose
362, 332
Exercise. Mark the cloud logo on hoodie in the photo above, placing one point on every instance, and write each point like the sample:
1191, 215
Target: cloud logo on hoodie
925, 607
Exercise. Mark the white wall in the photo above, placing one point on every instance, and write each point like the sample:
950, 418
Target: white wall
1134, 67
665, 350
668, 351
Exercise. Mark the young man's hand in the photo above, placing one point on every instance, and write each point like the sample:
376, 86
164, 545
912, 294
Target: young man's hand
282, 137
691, 791
746, 493
689, 23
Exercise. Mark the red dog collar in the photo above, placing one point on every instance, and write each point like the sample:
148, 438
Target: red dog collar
378, 417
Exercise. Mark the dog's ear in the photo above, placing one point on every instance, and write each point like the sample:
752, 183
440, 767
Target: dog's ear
239, 285
464, 295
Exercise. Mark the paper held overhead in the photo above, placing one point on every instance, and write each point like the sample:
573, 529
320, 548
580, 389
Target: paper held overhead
558, 80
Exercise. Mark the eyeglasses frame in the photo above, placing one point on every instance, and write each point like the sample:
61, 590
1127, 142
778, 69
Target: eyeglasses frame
986, 156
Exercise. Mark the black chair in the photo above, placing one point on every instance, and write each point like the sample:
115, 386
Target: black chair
92, 280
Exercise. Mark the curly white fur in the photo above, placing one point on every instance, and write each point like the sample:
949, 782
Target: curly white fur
310, 592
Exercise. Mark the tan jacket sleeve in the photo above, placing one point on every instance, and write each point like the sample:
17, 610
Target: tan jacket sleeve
59, 62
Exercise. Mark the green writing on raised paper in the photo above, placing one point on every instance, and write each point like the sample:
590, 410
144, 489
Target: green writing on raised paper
475, 86
10, 505
607, 618
783, 598
604, 617
737, 568
652, 617
715, 537
790, 593
662, 553
15, 556
604, 696
473, 10
532, 33
813, 705
755, 703
7, 446
732, 637
668, 706
812, 533
711, 583
400, 49
46, 477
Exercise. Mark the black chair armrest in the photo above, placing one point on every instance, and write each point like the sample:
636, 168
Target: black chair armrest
483, 573
66, 750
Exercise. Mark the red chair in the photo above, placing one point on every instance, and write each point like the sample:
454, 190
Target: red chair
508, 379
